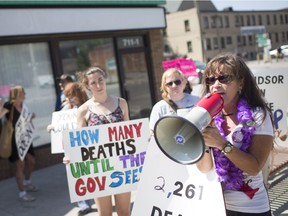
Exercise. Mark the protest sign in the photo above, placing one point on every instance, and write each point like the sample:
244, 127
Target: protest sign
274, 87
61, 121
105, 159
186, 66
170, 188
24, 132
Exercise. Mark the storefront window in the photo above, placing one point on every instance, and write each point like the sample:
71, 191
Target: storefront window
78, 55
29, 65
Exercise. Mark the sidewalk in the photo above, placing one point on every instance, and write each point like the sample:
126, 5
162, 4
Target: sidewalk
52, 199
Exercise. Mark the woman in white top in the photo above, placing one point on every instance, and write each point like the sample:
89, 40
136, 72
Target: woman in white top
240, 138
174, 96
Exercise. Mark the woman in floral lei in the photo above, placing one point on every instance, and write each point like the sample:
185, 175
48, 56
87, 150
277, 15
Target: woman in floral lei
240, 138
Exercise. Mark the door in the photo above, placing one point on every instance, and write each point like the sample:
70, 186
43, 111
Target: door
134, 75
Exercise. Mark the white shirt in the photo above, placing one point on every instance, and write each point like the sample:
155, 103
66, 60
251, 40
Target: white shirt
238, 200
162, 108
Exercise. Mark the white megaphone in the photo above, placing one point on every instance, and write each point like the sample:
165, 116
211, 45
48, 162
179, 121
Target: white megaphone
179, 138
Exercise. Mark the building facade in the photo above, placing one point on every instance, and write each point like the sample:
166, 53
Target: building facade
40, 40
197, 30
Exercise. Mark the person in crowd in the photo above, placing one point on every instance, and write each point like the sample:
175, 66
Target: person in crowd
103, 109
175, 95
240, 137
279, 53
76, 96
61, 100
23, 169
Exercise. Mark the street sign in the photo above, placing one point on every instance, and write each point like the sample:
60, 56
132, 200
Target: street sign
261, 40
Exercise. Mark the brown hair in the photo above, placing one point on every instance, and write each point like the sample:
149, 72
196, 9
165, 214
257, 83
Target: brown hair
74, 90
83, 75
237, 67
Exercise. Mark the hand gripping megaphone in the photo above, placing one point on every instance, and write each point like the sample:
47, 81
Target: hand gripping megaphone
179, 138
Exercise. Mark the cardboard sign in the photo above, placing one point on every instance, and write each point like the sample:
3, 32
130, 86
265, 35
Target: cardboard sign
186, 66
61, 121
105, 159
170, 188
274, 87
24, 132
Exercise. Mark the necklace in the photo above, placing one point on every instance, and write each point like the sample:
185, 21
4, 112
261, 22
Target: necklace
228, 173
228, 114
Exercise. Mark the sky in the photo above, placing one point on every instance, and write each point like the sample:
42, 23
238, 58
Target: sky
239, 5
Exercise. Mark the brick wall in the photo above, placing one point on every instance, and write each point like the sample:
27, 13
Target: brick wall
157, 50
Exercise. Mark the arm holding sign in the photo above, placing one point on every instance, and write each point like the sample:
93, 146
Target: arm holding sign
24, 166
103, 109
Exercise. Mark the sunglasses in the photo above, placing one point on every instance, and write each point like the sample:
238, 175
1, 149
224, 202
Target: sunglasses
176, 82
224, 79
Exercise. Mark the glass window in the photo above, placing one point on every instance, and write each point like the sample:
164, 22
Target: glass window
208, 44
205, 22
250, 39
215, 42
244, 40
29, 65
276, 37
187, 25
227, 25
268, 19
275, 19
281, 19
253, 20
229, 40
237, 21
242, 21
239, 40
78, 55
189, 47
248, 20
260, 20
222, 42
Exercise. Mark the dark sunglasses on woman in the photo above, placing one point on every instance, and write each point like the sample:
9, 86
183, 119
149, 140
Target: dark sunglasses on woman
176, 82
224, 79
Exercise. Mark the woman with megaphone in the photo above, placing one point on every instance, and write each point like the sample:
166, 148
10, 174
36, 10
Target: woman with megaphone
240, 137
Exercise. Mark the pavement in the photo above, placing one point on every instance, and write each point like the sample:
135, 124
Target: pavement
53, 197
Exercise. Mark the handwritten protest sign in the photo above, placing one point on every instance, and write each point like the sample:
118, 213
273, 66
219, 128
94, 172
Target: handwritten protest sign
274, 87
105, 159
61, 121
170, 188
24, 132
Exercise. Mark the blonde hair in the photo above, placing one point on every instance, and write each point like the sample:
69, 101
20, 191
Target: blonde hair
14, 92
167, 73
83, 76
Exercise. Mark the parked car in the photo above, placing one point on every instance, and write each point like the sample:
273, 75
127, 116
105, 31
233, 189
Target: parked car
284, 48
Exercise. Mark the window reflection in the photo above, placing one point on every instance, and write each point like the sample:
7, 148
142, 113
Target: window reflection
29, 65
78, 55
